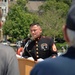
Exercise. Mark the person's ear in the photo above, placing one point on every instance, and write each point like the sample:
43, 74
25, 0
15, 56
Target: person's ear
65, 33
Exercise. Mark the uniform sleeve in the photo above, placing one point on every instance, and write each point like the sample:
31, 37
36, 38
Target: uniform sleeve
53, 48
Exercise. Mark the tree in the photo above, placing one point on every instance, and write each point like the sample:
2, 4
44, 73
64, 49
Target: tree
18, 21
65, 1
53, 17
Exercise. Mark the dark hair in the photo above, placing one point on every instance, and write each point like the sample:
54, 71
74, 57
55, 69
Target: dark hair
35, 24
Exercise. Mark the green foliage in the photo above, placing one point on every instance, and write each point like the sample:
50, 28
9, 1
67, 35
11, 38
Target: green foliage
53, 17
18, 21
54, 6
22, 2
60, 45
65, 1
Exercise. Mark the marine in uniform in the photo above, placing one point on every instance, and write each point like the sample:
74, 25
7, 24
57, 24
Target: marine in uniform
39, 46
42, 47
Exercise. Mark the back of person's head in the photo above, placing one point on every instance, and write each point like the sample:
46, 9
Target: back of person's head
70, 24
73, 2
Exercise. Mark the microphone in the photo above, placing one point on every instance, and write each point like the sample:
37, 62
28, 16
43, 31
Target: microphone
28, 42
26, 46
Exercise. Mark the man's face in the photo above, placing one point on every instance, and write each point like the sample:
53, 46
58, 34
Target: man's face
35, 31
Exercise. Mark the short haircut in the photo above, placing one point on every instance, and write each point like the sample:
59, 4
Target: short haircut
34, 24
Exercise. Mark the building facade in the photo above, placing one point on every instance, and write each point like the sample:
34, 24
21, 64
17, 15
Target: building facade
3, 14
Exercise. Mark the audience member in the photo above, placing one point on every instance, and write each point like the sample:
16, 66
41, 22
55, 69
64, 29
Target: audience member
8, 61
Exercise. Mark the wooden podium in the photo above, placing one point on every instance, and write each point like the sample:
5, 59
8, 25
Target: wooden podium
25, 66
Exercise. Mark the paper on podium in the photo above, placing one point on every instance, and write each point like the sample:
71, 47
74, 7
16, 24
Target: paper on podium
40, 59
18, 56
30, 58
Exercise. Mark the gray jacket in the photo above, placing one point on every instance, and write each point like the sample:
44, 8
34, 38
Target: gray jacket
8, 61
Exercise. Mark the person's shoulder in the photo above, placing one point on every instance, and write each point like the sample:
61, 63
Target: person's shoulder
50, 61
7, 52
6, 49
5, 46
48, 66
44, 64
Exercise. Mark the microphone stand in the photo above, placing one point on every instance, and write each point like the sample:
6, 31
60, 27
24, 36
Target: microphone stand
26, 46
